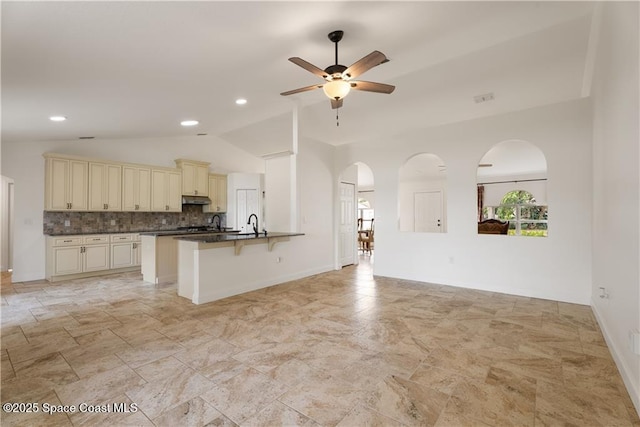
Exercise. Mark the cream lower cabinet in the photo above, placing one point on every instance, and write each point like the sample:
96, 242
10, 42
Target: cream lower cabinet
79, 254
71, 257
125, 250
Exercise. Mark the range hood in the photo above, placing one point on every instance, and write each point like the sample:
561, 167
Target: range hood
196, 200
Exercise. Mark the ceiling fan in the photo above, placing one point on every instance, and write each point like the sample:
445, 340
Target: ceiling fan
338, 78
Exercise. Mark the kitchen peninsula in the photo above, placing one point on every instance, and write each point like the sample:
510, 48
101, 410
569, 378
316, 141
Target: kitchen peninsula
216, 266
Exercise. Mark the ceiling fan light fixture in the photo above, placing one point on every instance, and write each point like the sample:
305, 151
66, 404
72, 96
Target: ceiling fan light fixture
336, 89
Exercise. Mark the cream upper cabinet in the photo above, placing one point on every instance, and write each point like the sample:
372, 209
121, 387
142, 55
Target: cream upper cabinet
65, 184
136, 188
195, 177
166, 190
105, 187
217, 194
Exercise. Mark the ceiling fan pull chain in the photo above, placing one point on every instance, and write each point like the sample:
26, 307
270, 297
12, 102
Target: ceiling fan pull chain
337, 118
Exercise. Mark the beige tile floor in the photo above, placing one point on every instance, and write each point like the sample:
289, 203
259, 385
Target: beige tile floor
341, 348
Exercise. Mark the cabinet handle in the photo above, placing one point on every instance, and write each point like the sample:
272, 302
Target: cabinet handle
135, 245
81, 249
166, 208
196, 192
68, 241
137, 207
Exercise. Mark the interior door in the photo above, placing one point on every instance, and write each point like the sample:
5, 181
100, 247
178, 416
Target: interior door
246, 204
347, 221
428, 211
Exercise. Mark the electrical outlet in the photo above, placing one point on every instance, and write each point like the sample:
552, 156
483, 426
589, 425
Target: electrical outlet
278, 259
67, 223
164, 221
113, 222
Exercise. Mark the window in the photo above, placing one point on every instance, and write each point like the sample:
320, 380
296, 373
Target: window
365, 214
525, 216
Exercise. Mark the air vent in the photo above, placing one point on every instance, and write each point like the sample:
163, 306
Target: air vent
483, 98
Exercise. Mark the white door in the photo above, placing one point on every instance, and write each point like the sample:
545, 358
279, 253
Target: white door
246, 204
428, 211
347, 221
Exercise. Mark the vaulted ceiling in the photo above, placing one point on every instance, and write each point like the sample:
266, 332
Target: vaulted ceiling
136, 69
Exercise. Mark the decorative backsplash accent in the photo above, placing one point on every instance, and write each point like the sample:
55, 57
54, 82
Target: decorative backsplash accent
101, 222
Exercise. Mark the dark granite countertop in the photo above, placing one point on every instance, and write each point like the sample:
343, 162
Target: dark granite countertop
146, 232
184, 232
230, 237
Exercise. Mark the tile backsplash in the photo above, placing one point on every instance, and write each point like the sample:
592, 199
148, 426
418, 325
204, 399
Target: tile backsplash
123, 222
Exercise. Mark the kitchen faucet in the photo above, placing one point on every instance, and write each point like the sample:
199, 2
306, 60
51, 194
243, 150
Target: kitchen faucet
213, 221
255, 226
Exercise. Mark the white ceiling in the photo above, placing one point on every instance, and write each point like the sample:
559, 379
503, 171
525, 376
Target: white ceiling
136, 69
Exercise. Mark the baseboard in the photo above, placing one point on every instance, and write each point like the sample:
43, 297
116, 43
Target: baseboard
214, 295
632, 387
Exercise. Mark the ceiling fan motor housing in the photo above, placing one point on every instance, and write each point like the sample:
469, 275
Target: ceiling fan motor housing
335, 36
332, 70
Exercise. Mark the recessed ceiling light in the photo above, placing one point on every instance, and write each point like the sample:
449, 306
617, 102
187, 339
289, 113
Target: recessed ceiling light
57, 118
241, 101
189, 122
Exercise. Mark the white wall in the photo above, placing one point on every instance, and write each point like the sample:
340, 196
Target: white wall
24, 163
461, 257
281, 188
315, 177
616, 212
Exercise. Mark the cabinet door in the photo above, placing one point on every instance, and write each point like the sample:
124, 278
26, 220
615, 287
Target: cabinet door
67, 260
57, 184
129, 188
78, 188
158, 191
66, 185
221, 185
174, 195
96, 258
113, 187
136, 188
188, 179
105, 187
144, 189
217, 194
201, 181
122, 255
97, 174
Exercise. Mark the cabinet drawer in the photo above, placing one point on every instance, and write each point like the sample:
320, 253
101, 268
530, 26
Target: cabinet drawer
121, 238
88, 240
67, 241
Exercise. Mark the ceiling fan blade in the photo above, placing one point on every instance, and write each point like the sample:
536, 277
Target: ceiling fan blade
336, 103
364, 64
372, 87
309, 67
302, 89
